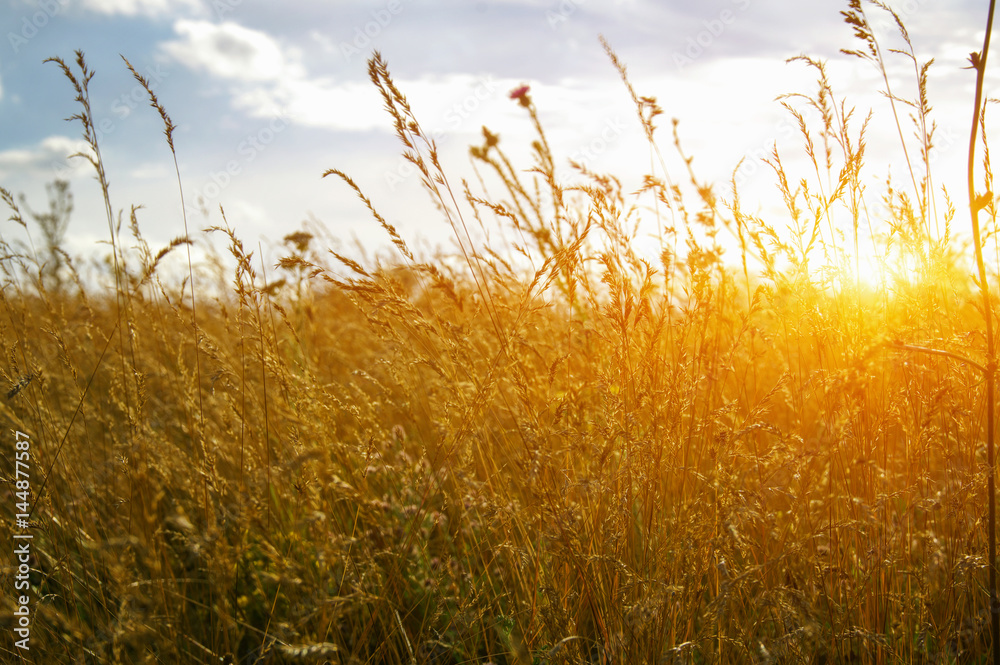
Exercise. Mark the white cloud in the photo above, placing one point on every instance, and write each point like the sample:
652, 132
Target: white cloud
317, 103
325, 43
267, 80
452, 103
231, 51
141, 7
152, 171
50, 155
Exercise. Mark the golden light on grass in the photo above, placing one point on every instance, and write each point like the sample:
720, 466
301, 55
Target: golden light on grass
568, 452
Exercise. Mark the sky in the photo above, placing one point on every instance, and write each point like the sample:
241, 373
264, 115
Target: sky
267, 96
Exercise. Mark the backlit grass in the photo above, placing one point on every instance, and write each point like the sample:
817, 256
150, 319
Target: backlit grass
565, 452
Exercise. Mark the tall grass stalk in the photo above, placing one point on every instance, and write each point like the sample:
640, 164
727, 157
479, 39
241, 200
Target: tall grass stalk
976, 203
168, 133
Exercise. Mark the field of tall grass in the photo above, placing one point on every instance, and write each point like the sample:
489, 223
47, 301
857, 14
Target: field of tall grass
561, 452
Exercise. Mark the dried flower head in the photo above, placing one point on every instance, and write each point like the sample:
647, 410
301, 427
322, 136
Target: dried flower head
521, 95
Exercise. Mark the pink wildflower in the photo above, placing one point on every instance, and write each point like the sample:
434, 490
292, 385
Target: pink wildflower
519, 93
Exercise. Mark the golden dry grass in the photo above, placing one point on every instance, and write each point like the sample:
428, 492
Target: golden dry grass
568, 454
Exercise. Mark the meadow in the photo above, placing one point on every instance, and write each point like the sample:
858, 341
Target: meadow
561, 452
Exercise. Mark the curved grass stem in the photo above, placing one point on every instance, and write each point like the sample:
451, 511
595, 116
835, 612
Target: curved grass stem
978, 61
